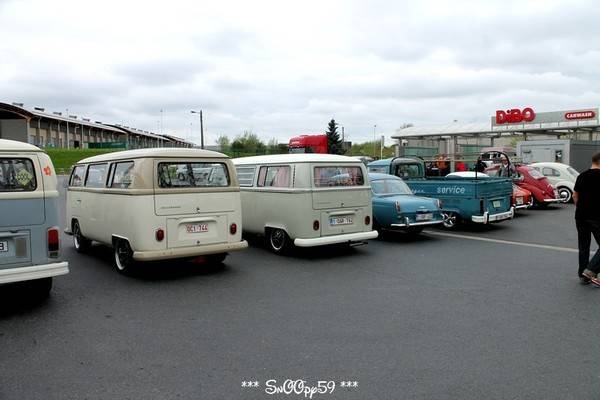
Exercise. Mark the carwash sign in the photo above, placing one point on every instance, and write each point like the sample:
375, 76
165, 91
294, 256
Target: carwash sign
580, 115
515, 116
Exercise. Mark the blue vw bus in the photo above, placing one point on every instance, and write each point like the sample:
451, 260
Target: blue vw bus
29, 228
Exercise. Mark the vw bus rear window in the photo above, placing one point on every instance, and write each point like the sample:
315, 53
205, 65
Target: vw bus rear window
192, 174
77, 176
121, 175
338, 176
17, 175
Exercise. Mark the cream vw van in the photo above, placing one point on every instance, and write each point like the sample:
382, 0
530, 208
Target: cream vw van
29, 232
305, 199
156, 204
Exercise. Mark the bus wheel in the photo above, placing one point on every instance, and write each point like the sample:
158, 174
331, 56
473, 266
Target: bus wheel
79, 241
278, 240
451, 219
123, 256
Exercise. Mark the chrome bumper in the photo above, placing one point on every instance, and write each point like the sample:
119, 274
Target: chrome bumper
408, 224
335, 239
9, 275
184, 252
525, 205
487, 217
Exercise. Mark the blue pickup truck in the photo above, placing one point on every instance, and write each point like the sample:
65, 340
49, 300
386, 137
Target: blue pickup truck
481, 200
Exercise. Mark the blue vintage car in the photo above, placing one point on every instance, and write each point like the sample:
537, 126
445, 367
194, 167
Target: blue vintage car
395, 207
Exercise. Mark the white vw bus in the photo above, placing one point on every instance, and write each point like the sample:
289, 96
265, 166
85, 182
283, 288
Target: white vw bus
305, 199
29, 232
156, 204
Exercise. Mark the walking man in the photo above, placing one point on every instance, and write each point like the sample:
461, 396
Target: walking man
587, 219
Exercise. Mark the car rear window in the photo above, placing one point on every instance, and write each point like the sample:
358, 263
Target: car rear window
338, 176
192, 174
17, 175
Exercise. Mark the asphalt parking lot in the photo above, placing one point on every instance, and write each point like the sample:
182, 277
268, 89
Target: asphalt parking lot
487, 312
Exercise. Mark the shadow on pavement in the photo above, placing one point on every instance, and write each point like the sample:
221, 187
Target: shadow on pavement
159, 270
17, 299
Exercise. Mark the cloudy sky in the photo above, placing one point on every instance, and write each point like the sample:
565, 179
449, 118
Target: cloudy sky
281, 68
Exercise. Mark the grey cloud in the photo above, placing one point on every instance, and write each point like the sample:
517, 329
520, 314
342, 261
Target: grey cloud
164, 71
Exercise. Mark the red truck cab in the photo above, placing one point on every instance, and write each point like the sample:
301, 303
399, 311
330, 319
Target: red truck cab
308, 144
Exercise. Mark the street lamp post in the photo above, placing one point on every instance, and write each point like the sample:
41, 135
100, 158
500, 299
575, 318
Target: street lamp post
201, 128
374, 139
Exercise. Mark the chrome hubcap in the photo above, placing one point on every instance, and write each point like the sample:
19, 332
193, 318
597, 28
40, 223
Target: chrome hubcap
277, 239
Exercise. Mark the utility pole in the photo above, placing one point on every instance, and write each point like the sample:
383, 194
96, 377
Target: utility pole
374, 140
68, 144
201, 127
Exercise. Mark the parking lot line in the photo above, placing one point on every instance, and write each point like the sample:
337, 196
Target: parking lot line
481, 239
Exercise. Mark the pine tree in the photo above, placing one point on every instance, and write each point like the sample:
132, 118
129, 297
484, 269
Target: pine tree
334, 143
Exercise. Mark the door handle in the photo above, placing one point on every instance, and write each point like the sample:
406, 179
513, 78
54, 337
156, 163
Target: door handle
78, 200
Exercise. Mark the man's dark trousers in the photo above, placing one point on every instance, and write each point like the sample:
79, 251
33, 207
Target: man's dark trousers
585, 230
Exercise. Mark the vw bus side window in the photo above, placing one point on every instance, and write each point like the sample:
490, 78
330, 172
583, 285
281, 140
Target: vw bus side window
245, 175
274, 176
121, 176
189, 174
96, 176
77, 176
17, 175
338, 176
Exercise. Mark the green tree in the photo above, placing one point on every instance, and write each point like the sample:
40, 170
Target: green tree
273, 146
334, 143
248, 143
223, 142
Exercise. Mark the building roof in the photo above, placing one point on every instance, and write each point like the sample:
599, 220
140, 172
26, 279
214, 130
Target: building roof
38, 112
454, 128
14, 145
294, 158
140, 132
29, 112
159, 152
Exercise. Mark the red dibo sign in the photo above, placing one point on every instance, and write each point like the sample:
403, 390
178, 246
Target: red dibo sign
580, 115
514, 116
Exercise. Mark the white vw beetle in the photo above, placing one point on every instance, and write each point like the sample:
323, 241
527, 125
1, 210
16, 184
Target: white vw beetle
561, 176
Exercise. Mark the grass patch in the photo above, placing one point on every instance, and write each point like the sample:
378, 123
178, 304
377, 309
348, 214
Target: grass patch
63, 159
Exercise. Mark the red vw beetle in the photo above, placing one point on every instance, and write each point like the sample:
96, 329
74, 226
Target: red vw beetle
540, 187
530, 179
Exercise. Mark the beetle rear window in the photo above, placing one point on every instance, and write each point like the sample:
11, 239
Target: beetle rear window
192, 174
17, 175
338, 176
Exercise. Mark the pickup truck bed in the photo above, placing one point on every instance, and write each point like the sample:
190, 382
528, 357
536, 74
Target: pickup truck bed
479, 200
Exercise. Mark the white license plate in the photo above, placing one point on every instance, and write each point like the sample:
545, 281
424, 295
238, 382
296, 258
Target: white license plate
341, 220
196, 228
519, 201
3, 247
424, 217
497, 203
